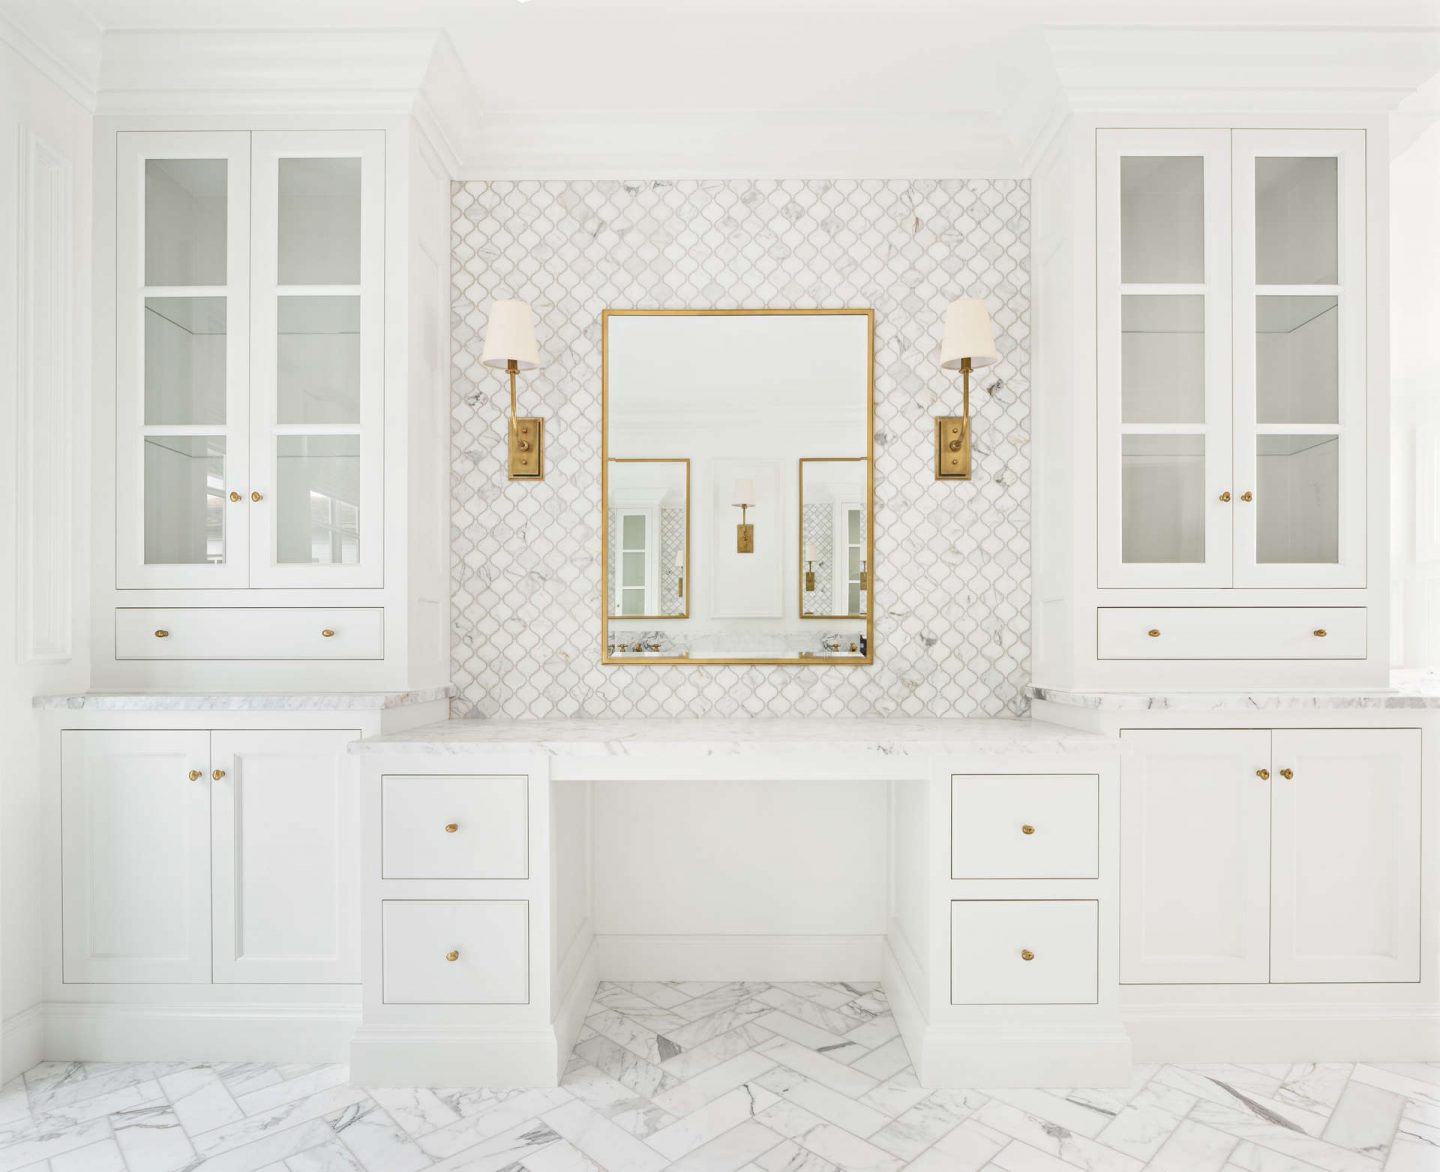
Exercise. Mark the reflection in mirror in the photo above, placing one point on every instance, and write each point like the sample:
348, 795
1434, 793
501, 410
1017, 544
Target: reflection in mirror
834, 524
745, 395
647, 531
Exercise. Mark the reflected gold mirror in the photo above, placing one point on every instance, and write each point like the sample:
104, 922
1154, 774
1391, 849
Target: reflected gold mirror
736, 442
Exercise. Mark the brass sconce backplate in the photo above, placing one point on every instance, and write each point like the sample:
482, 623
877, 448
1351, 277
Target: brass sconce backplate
745, 538
952, 448
527, 445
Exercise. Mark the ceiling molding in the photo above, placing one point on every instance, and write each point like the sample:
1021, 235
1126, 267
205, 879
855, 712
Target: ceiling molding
77, 74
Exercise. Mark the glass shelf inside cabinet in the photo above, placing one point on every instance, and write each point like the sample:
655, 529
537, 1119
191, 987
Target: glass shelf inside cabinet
1162, 487
318, 356
185, 221
318, 505
184, 499
1162, 358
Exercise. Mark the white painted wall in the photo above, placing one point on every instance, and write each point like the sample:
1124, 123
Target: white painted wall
45, 208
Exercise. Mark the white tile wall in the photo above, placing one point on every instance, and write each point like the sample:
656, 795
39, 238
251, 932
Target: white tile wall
951, 574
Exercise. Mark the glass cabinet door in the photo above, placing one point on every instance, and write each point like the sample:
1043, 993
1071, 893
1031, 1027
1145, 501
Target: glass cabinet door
182, 338
317, 378
1163, 339
1300, 396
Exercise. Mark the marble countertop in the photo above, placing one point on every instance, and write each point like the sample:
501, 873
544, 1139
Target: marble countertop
898, 736
1409, 689
241, 701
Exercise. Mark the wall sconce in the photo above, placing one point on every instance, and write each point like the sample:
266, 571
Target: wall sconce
745, 532
864, 576
968, 345
809, 567
510, 346
680, 572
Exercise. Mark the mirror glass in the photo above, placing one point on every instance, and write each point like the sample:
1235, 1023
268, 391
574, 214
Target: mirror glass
764, 416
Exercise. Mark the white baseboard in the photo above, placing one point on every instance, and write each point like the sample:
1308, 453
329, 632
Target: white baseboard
1284, 1033
571, 1006
404, 1056
22, 1042
904, 1002
739, 958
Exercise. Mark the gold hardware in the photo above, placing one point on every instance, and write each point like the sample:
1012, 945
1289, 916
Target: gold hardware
1263, 774
217, 774
680, 587
1153, 632
952, 445
1288, 774
1026, 954
1247, 497
1027, 829
810, 579
453, 955
854, 648
234, 496
451, 827
194, 775
744, 532
1225, 496
1320, 632
527, 448
864, 577
256, 497
327, 633
162, 633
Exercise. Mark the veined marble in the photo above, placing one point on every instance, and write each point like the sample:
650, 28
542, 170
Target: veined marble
891, 737
241, 701
1408, 690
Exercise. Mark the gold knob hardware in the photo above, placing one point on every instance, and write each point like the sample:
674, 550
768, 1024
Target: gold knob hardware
1153, 632
217, 774
451, 827
1026, 954
1027, 829
327, 633
234, 496
1319, 632
194, 775
1288, 774
1263, 774
1225, 496
1247, 497
453, 955
162, 633
256, 497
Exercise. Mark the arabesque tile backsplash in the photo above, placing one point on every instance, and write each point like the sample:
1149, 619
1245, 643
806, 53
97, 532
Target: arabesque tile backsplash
952, 561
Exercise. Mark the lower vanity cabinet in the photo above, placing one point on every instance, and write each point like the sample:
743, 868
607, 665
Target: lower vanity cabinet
1253, 856
209, 857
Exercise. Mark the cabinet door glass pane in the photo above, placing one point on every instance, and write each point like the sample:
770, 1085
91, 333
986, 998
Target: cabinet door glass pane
317, 511
1162, 359
185, 221
185, 361
318, 355
1297, 359
1162, 219
1297, 495
184, 500
1297, 237
1162, 487
319, 222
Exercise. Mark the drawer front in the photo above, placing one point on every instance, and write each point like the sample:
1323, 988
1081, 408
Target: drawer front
1239, 632
1033, 826
454, 827
249, 633
489, 940
990, 939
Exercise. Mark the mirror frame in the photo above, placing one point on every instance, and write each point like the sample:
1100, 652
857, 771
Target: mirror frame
605, 539
609, 660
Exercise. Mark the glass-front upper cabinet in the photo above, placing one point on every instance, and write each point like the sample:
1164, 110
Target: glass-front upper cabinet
1300, 393
249, 347
1163, 357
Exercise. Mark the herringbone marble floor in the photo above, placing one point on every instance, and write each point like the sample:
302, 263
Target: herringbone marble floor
721, 1077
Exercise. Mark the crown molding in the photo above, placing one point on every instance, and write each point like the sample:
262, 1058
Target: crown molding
76, 75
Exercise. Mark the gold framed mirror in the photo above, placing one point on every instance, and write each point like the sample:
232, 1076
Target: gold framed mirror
753, 402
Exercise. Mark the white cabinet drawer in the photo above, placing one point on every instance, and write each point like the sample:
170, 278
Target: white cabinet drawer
249, 633
456, 951
1235, 632
1031, 826
990, 940
454, 827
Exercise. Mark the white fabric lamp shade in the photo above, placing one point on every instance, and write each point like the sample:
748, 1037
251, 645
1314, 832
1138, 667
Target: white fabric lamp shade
745, 492
967, 335
510, 336
809, 551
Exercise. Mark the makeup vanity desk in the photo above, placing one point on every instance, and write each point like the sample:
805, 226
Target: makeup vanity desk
481, 952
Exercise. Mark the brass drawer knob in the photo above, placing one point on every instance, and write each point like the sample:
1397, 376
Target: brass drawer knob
327, 633
451, 827
217, 774
1247, 497
1026, 954
256, 497
162, 633
453, 955
194, 775
1153, 632
1319, 632
1263, 774
1225, 496
1027, 829
1287, 774
234, 496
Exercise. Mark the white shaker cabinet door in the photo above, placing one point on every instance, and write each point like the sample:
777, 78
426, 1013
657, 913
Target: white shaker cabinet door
287, 865
1194, 856
1346, 875
135, 856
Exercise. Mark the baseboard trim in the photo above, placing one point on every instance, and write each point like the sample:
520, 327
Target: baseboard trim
905, 1003
573, 1004
22, 1042
739, 958
1284, 1033
403, 1056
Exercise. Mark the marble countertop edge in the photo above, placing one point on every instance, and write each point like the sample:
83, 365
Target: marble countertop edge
1409, 691
241, 701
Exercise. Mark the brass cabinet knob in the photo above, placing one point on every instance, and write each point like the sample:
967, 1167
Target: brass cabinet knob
194, 775
1026, 954
1287, 774
1153, 632
234, 496
256, 497
1225, 496
451, 827
1319, 632
1263, 774
162, 633
1027, 829
327, 633
217, 774
453, 955
1247, 497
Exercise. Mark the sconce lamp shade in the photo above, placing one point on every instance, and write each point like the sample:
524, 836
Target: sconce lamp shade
510, 336
967, 335
745, 492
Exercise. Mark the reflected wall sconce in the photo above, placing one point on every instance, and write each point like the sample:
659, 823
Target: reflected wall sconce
968, 345
745, 532
809, 567
680, 572
864, 576
510, 346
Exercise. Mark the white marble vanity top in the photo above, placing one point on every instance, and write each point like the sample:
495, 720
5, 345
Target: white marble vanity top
898, 736
1409, 689
241, 701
